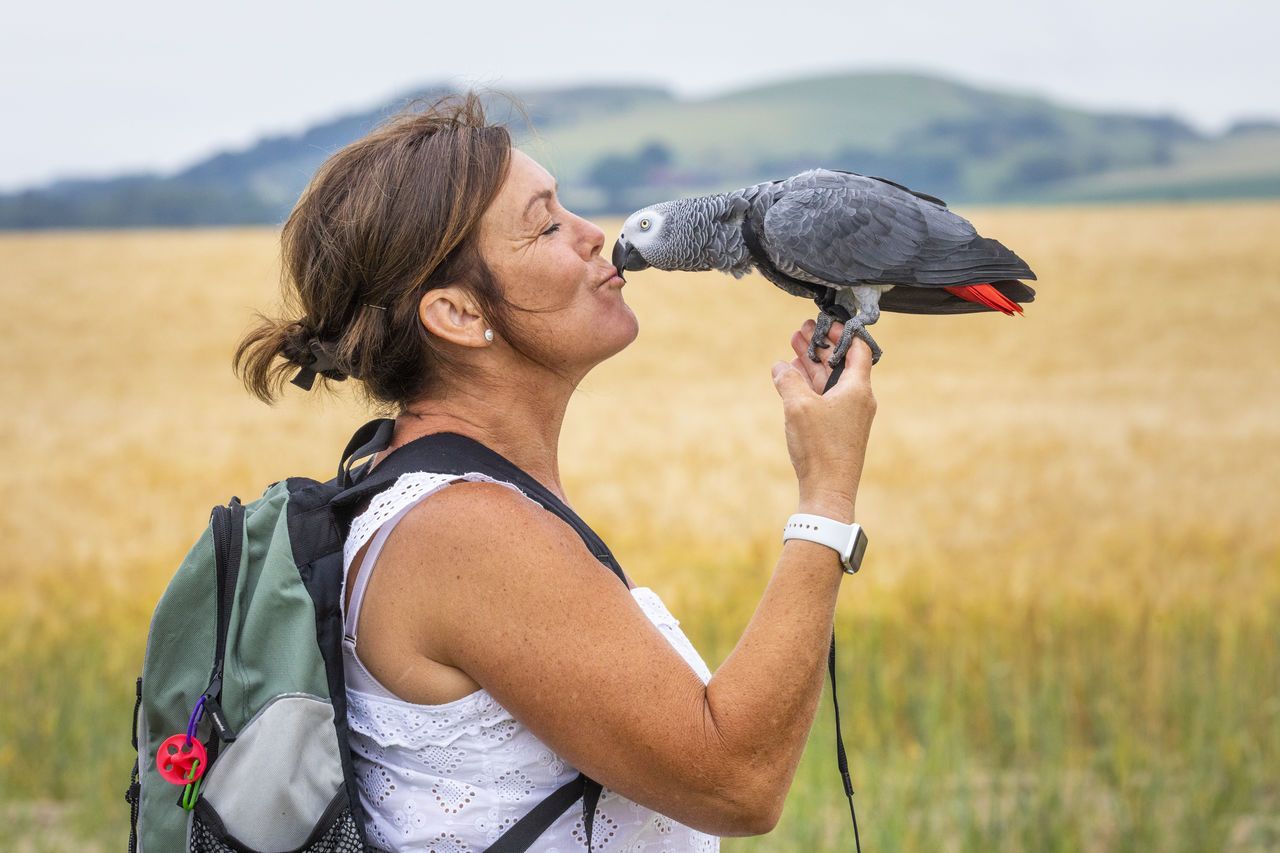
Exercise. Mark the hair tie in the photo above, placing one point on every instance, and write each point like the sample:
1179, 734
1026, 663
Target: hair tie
320, 358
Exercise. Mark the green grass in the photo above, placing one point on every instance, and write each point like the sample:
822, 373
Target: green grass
1052, 726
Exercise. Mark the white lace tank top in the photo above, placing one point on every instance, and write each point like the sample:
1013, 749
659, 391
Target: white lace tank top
451, 778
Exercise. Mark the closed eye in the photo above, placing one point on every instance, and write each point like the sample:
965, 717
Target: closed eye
555, 227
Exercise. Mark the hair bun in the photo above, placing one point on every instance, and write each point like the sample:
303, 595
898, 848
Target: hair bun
313, 355
296, 343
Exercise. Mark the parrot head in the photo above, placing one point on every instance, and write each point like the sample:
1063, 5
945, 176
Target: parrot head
691, 234
641, 242
670, 235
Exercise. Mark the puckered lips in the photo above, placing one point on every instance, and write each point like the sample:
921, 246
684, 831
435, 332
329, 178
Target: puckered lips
613, 276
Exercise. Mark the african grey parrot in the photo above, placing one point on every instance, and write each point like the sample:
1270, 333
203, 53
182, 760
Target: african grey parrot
854, 244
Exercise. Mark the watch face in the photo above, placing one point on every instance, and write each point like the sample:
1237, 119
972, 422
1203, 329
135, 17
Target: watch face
859, 548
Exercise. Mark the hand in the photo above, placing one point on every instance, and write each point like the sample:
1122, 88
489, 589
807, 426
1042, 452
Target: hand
826, 433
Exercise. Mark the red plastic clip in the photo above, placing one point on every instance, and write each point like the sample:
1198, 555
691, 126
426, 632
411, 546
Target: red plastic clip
176, 758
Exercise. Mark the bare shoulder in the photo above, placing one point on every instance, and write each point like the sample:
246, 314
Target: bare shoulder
475, 539
482, 517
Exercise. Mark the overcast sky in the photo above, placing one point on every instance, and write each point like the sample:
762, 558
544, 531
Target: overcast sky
99, 88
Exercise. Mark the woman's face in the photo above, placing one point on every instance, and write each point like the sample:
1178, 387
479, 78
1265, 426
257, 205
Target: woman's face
548, 258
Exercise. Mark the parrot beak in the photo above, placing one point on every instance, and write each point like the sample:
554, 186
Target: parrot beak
625, 256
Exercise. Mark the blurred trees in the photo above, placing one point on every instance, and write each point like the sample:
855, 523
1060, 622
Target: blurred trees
616, 175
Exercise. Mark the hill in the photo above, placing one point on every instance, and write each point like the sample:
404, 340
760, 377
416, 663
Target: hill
614, 148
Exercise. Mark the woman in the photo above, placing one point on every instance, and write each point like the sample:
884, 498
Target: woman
433, 262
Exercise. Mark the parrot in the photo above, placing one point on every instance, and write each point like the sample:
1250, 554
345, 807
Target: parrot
853, 243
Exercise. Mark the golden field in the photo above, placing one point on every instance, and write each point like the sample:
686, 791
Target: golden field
1066, 634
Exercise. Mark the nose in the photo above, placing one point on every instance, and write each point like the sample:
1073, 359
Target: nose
595, 235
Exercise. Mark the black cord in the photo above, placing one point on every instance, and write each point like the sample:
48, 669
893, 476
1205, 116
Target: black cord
842, 761
835, 376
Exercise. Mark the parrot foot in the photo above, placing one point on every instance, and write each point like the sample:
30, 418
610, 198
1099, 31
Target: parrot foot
819, 338
863, 304
851, 329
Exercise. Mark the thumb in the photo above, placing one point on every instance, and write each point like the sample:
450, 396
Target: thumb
787, 379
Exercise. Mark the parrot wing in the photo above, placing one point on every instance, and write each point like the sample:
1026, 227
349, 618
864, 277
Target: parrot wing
845, 228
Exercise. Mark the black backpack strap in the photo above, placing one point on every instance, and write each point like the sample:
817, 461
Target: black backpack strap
452, 453
524, 832
368, 440
590, 797
227, 523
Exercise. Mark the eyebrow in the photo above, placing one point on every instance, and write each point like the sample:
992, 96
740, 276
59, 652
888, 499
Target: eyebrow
545, 194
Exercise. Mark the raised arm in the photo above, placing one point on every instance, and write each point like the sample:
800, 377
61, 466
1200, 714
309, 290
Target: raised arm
519, 604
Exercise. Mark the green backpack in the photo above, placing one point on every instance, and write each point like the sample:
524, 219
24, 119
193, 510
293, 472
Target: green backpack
240, 722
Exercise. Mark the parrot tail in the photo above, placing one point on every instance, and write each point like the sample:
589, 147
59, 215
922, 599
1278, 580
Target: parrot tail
985, 294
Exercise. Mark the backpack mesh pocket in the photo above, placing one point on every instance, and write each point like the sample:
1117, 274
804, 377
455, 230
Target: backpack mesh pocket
337, 834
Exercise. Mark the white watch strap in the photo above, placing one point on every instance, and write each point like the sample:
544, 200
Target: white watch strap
825, 531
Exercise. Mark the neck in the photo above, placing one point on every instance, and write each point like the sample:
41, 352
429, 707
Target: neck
726, 246
520, 420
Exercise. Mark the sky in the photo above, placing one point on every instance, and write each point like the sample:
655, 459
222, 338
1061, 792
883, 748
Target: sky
97, 89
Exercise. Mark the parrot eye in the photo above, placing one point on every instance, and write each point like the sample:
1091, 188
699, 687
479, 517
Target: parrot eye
644, 225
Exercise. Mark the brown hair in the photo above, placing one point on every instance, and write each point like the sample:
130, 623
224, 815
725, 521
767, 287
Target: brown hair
384, 220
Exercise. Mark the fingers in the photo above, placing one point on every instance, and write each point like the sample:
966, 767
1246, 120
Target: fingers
817, 372
789, 381
806, 365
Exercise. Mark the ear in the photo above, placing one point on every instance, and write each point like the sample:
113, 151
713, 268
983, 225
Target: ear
450, 313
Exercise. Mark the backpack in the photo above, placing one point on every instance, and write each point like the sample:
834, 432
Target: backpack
240, 720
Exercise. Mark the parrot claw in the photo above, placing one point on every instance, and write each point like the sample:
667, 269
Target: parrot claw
819, 338
851, 329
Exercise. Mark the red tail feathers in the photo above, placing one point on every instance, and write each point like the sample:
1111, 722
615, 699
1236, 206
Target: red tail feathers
987, 295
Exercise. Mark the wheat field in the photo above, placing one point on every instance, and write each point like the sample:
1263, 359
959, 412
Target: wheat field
1066, 634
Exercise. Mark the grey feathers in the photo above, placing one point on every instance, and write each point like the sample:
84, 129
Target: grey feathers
822, 231
843, 228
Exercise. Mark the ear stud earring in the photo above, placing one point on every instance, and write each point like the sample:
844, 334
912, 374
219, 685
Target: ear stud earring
488, 334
